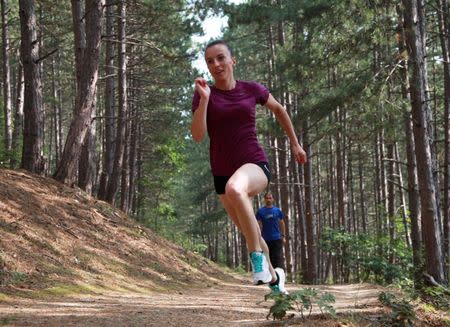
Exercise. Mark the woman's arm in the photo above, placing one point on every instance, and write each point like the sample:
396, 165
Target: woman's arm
198, 125
285, 121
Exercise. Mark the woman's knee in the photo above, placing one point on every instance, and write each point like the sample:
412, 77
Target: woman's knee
233, 190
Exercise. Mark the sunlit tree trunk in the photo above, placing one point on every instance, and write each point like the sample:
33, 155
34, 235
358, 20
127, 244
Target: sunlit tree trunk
391, 213
401, 188
54, 127
7, 107
18, 114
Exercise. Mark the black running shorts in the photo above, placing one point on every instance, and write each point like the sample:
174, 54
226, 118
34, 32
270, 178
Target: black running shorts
221, 181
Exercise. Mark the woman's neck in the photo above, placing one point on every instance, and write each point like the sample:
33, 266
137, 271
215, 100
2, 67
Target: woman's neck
226, 85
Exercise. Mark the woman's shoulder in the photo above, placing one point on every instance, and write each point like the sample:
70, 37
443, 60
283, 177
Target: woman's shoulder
252, 85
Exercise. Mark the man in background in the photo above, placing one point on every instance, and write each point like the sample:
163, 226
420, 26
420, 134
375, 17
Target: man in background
271, 221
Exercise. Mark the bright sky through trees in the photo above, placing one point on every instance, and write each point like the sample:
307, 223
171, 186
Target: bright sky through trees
212, 27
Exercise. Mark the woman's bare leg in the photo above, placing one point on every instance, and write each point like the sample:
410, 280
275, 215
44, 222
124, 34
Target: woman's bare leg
245, 183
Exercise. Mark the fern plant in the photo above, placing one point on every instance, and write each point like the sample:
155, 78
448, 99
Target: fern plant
301, 301
402, 312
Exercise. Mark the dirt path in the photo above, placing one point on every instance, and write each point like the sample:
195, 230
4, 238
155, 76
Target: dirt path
219, 305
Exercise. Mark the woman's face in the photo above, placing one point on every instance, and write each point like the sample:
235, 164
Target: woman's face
220, 62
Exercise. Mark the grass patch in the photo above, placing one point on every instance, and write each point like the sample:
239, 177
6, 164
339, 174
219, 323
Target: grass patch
136, 232
56, 268
4, 297
12, 277
5, 321
42, 245
63, 290
84, 260
114, 266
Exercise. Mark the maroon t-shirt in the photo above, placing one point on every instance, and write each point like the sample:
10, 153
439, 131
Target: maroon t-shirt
231, 120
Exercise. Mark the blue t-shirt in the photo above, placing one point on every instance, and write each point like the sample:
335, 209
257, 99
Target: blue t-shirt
270, 218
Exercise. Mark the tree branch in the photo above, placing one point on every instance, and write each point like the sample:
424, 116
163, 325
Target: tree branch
46, 56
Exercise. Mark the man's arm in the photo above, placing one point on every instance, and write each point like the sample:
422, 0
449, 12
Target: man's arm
283, 228
259, 219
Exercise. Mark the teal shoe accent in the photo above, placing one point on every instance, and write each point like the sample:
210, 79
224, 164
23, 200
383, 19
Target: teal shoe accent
257, 261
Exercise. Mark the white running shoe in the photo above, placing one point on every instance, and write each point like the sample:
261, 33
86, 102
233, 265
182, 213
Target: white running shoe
279, 288
260, 268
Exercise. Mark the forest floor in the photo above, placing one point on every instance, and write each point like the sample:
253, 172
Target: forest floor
67, 259
222, 304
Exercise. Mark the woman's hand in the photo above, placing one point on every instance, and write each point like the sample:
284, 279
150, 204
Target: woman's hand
299, 154
198, 125
202, 87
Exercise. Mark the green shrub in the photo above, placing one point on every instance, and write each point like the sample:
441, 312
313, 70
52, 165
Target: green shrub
402, 312
301, 301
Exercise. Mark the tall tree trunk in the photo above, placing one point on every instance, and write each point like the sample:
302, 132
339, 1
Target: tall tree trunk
413, 192
362, 202
443, 12
391, 199
53, 152
18, 115
284, 200
401, 188
32, 159
87, 163
421, 113
113, 184
340, 175
311, 275
108, 145
133, 156
125, 183
86, 61
7, 108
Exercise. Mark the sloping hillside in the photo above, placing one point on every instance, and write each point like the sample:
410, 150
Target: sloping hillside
67, 259
56, 239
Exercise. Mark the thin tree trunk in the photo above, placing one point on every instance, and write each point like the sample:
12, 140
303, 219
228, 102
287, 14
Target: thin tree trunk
113, 184
108, 148
125, 183
133, 157
443, 12
18, 116
402, 199
54, 153
362, 202
391, 199
7, 107
340, 176
311, 275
